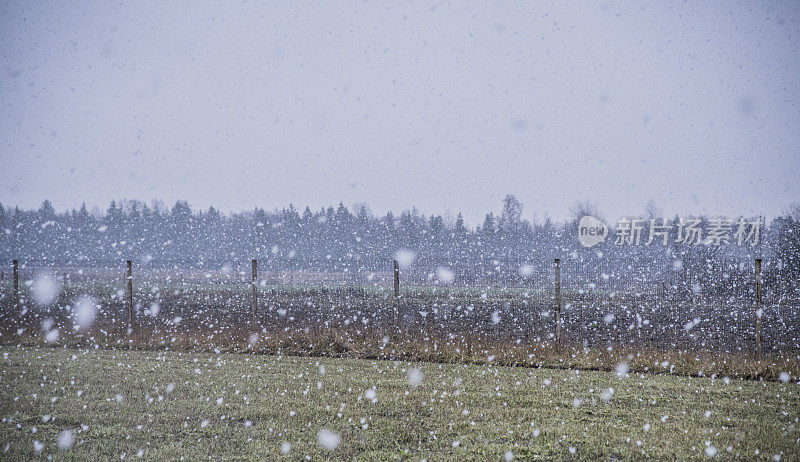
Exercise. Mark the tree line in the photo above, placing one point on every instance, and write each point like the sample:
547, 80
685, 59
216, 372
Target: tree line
339, 239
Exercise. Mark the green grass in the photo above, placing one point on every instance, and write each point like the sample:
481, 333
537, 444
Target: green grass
117, 402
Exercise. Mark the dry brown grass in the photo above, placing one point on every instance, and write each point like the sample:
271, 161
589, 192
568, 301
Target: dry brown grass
418, 345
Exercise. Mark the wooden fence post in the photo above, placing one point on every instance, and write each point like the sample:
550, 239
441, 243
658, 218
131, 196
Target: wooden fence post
254, 301
16, 283
558, 300
396, 304
129, 278
396, 279
758, 307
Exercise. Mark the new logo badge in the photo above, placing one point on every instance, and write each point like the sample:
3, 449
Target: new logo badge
591, 231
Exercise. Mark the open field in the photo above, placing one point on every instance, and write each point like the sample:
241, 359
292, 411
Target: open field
213, 305
591, 318
711, 336
164, 405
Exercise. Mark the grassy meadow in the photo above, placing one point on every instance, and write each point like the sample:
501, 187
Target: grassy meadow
104, 404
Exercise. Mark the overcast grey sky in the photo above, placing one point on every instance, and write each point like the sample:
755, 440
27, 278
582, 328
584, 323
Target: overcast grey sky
442, 106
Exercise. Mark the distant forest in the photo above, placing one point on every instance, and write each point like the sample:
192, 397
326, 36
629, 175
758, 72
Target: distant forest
336, 239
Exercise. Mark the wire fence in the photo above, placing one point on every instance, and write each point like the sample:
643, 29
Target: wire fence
606, 303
